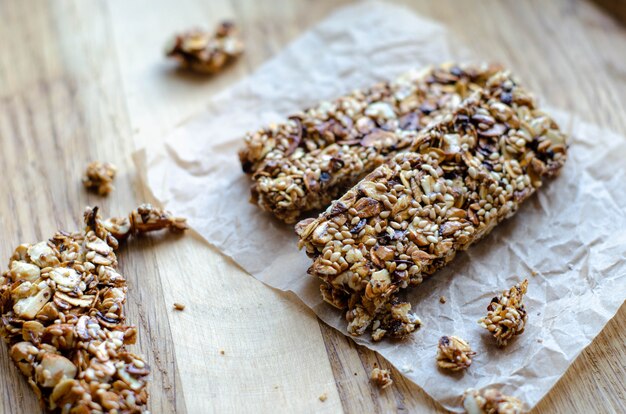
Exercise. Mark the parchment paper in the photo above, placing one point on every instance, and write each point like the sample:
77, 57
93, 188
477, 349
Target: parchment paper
569, 233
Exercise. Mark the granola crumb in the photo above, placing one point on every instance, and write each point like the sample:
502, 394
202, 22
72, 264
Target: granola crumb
381, 377
207, 52
506, 315
222, 352
490, 401
323, 397
534, 273
62, 315
99, 177
179, 306
454, 353
442, 299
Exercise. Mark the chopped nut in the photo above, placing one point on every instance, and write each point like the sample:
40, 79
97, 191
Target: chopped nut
24, 271
442, 299
179, 306
454, 353
28, 307
381, 377
206, 52
323, 397
490, 401
54, 368
506, 316
119, 227
451, 188
62, 316
99, 177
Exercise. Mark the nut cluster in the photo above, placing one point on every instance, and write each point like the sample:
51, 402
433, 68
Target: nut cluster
381, 377
454, 353
62, 316
207, 52
306, 162
409, 217
490, 401
99, 177
506, 316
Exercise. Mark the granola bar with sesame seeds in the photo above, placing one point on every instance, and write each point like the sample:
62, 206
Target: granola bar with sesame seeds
61, 304
304, 163
410, 216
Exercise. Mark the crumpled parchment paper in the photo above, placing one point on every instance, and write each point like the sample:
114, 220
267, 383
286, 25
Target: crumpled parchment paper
567, 233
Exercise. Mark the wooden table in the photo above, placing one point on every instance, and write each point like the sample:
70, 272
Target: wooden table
84, 80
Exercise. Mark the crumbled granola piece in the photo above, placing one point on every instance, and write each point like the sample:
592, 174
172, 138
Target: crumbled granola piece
179, 306
305, 162
454, 353
206, 52
381, 377
490, 401
408, 218
506, 316
323, 397
148, 218
442, 299
62, 318
99, 177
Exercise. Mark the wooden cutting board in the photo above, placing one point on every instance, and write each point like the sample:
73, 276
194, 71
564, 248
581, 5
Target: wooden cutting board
85, 80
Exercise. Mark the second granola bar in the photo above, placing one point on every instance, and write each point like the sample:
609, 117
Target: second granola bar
304, 163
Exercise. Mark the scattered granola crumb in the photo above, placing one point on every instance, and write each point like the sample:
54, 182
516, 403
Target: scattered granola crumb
143, 219
442, 299
207, 52
506, 315
179, 306
222, 352
323, 397
99, 177
381, 377
490, 401
454, 353
540, 340
534, 273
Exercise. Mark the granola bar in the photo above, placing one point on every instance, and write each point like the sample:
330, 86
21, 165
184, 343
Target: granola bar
204, 51
304, 163
506, 314
410, 216
62, 317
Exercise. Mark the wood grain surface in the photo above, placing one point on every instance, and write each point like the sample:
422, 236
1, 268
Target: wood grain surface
85, 80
